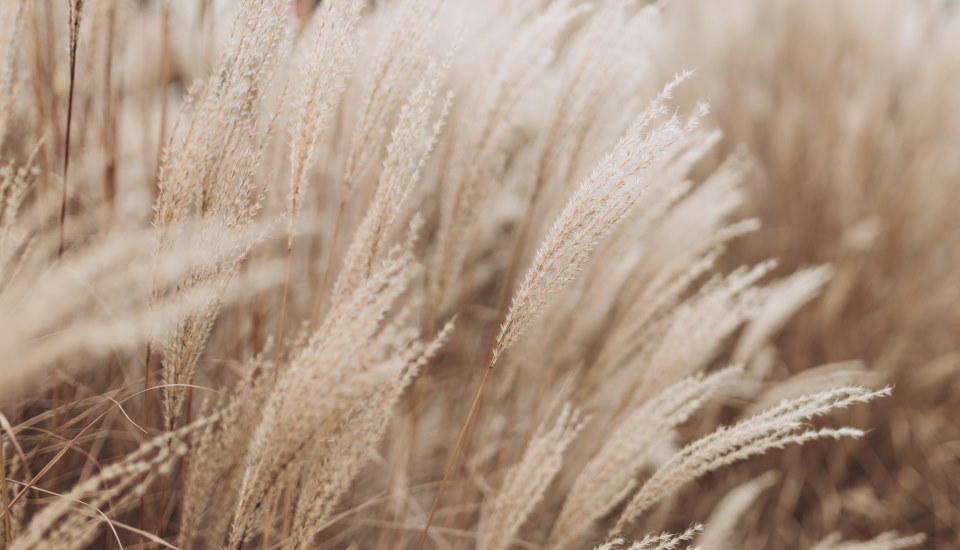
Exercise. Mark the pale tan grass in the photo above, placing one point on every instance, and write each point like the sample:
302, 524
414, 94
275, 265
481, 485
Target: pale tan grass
332, 182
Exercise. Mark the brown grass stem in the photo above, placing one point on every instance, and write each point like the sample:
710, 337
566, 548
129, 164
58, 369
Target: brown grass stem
7, 527
76, 12
451, 462
282, 315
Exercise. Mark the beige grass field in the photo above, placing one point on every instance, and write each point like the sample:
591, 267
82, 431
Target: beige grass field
460, 274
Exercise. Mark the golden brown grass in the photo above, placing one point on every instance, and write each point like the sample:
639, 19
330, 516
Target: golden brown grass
461, 274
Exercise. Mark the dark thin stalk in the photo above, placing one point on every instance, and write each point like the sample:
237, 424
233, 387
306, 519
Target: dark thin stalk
146, 418
283, 307
75, 13
109, 132
7, 527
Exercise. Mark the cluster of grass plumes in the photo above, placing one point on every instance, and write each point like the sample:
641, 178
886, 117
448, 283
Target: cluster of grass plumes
408, 274
848, 116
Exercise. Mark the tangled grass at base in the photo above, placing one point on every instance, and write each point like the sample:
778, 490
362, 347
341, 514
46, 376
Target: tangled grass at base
287, 274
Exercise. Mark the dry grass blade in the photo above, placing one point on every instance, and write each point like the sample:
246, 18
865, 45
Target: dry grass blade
602, 201
610, 475
116, 487
7, 526
722, 529
402, 168
209, 169
529, 478
774, 428
323, 77
885, 541
659, 541
76, 15
355, 355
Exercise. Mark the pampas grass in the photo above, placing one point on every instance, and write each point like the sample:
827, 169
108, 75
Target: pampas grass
494, 275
